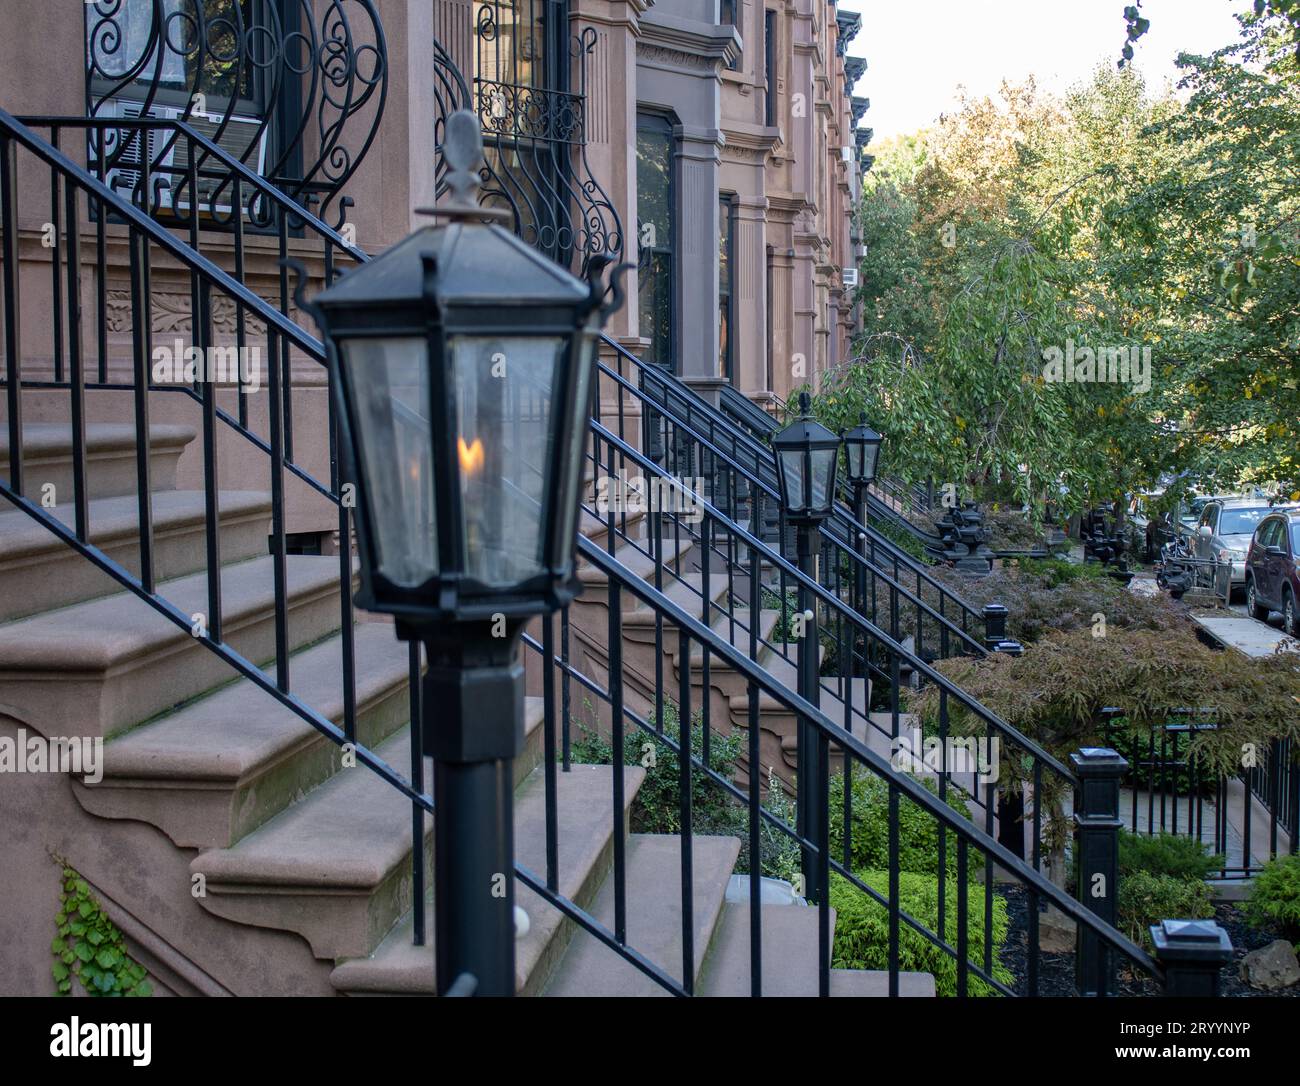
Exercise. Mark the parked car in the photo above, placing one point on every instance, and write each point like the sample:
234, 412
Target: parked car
1273, 569
1225, 530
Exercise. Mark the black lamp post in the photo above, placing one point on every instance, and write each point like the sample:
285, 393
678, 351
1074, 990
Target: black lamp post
807, 455
861, 451
461, 362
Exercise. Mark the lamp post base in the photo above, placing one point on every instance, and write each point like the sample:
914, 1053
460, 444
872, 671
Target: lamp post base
472, 725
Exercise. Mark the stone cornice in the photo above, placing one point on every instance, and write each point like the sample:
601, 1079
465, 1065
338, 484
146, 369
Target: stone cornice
685, 43
743, 138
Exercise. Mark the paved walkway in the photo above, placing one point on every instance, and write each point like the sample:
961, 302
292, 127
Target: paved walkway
1232, 626
1235, 628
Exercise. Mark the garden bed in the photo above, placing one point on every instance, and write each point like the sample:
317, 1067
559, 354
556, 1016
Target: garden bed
1056, 971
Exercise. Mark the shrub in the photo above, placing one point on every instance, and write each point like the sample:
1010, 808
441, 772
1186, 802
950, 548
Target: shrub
1146, 899
862, 929
1055, 692
918, 831
1165, 854
1275, 897
657, 807
1057, 571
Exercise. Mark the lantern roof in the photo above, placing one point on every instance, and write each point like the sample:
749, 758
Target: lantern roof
805, 431
862, 432
476, 264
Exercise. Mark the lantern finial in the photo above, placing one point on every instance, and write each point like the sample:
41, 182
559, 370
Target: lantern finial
805, 404
462, 151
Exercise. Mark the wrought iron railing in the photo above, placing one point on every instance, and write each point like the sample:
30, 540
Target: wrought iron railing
295, 91
1169, 790
681, 427
149, 246
956, 934
530, 91
862, 674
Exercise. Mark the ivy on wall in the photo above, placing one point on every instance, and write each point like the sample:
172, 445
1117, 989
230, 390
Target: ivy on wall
89, 947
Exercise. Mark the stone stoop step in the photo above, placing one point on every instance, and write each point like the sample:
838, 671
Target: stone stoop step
110, 457
654, 917
585, 838
636, 559
335, 866
39, 572
215, 769
789, 948
100, 667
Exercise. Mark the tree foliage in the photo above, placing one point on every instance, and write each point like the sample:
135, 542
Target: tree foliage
1108, 222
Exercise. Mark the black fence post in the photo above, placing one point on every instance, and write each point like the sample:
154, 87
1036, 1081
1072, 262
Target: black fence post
1011, 821
1096, 858
995, 625
1192, 953
995, 631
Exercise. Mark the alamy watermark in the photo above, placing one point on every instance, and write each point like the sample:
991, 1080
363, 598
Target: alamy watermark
623, 493
177, 364
82, 755
918, 754
1106, 365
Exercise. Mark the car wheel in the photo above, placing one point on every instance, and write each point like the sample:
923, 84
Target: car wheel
1290, 617
1253, 605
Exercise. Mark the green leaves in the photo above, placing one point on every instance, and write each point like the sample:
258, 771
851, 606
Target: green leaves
1111, 220
90, 947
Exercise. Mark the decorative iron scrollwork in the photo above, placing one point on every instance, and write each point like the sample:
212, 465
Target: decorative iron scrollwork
534, 133
294, 90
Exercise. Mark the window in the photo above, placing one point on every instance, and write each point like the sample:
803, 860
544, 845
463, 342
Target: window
1295, 538
1241, 521
726, 273
769, 68
727, 12
1269, 533
656, 235
119, 39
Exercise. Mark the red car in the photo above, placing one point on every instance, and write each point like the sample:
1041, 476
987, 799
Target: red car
1273, 569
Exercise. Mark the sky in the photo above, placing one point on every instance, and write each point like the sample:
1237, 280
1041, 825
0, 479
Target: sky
920, 51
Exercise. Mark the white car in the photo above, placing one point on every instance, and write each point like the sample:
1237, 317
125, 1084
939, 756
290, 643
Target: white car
1225, 530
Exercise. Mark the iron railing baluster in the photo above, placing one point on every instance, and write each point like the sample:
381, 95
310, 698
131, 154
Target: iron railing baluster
686, 787
76, 363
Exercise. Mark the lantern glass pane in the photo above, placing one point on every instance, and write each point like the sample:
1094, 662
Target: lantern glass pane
853, 452
505, 396
577, 441
388, 385
871, 453
792, 468
823, 474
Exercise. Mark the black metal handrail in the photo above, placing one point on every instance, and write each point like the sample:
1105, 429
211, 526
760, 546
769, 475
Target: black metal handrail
724, 539
727, 476
692, 631
72, 185
667, 395
143, 235
1179, 788
692, 433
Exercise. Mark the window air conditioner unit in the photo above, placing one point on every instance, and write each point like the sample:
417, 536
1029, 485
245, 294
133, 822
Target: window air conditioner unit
846, 153
168, 154
850, 277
